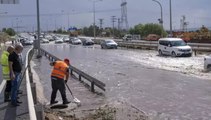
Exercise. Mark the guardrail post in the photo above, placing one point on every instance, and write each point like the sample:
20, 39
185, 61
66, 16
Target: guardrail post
92, 87
31, 77
39, 112
79, 77
34, 93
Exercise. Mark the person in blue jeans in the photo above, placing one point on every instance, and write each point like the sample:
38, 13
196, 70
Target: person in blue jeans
15, 71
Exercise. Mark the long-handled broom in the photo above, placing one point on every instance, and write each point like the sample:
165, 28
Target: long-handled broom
76, 100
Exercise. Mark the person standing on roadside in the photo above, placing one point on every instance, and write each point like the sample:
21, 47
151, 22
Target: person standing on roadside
15, 71
6, 72
59, 76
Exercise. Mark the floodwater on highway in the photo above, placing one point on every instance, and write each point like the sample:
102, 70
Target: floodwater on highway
143, 79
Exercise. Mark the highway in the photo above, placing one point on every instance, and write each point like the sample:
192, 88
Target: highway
162, 92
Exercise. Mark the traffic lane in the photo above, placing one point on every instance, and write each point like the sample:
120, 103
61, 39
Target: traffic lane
158, 92
43, 69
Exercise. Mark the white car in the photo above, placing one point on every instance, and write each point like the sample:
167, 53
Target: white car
49, 37
109, 44
28, 42
58, 41
174, 47
76, 41
207, 63
44, 40
66, 39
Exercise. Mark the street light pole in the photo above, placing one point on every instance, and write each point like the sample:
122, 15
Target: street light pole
170, 18
161, 17
161, 9
38, 30
94, 29
68, 22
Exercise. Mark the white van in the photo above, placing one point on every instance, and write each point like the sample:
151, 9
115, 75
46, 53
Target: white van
174, 47
127, 37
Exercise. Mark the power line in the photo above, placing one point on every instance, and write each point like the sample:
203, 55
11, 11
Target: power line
58, 14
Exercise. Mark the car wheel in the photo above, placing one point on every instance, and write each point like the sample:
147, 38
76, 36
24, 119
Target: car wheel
173, 54
160, 53
209, 67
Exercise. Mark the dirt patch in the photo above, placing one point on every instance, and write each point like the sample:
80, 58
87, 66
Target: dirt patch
114, 111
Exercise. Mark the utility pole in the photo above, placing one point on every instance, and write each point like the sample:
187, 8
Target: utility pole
113, 19
94, 30
124, 20
170, 19
183, 23
38, 29
101, 23
119, 23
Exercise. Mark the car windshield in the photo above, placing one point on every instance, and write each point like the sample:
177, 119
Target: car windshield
178, 43
109, 41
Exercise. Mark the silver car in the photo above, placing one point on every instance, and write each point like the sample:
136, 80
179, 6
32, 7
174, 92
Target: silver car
76, 41
108, 44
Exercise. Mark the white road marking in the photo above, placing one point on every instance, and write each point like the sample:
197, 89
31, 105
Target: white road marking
2, 85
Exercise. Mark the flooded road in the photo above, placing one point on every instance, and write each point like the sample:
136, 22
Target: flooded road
144, 79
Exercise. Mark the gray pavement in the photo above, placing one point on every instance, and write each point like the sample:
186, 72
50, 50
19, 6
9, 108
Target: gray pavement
8, 112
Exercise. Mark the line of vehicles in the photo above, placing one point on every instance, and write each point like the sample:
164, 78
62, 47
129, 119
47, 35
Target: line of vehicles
166, 46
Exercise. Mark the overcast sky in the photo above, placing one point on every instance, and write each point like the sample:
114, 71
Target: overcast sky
55, 13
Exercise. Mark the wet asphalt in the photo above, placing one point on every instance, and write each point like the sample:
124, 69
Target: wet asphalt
160, 93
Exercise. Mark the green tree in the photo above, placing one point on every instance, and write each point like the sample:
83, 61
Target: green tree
4, 37
10, 31
147, 29
4, 29
88, 31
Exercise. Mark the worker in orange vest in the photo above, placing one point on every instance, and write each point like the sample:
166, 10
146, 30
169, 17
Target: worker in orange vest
59, 77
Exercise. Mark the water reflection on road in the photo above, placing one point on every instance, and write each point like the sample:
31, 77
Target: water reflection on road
161, 93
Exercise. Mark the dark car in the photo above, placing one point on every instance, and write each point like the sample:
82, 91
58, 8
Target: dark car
108, 43
87, 41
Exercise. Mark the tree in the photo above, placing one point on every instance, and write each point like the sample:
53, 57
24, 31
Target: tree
4, 37
4, 29
145, 30
10, 31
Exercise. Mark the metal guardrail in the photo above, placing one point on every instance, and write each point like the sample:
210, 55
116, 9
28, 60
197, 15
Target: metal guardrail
203, 47
31, 107
94, 82
36, 111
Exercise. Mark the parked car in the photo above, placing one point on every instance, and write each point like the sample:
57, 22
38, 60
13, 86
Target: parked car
127, 37
49, 37
28, 42
174, 47
87, 41
108, 43
76, 41
44, 40
66, 39
207, 63
58, 40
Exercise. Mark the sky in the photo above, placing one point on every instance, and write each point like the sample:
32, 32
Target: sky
79, 13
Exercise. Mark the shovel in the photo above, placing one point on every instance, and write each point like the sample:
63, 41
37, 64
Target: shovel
75, 100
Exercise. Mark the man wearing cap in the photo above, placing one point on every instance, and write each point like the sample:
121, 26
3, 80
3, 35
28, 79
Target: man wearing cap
59, 76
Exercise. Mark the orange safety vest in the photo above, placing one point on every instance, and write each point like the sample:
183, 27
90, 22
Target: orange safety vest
59, 69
